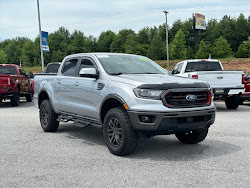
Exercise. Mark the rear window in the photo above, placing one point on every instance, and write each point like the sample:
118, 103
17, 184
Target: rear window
203, 66
8, 70
52, 68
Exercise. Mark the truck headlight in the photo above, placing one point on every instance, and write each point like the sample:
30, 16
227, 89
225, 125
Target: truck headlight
148, 93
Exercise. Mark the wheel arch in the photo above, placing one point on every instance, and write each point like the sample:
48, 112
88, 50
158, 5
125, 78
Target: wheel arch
110, 101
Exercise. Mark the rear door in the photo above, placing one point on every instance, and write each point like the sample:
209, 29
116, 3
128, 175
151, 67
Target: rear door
64, 84
85, 93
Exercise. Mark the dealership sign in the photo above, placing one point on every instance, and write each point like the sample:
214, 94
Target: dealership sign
45, 44
200, 21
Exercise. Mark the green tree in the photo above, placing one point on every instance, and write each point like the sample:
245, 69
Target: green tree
156, 51
118, 44
222, 48
178, 49
104, 41
205, 48
28, 56
3, 57
244, 49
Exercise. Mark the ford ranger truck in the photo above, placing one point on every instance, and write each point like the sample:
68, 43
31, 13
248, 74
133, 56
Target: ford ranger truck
227, 85
129, 96
14, 83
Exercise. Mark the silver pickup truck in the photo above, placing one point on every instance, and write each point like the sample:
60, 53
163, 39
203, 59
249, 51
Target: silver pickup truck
129, 96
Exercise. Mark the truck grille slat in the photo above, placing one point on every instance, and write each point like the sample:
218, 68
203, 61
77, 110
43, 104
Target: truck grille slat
175, 99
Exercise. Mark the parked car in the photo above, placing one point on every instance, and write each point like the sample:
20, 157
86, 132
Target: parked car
246, 96
129, 96
227, 85
14, 83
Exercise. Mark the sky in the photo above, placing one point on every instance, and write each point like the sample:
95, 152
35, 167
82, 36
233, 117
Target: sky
18, 18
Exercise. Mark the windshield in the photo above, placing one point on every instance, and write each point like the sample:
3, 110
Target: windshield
8, 70
203, 66
129, 64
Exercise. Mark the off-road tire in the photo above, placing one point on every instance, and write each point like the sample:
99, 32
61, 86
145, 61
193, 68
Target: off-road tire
193, 137
15, 99
127, 135
29, 96
48, 117
232, 102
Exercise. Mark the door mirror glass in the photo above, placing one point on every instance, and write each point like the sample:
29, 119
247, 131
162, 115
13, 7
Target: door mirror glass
89, 73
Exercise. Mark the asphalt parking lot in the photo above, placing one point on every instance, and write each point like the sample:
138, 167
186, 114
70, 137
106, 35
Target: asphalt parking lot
77, 157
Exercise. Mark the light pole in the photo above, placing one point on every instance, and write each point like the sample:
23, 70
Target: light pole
41, 47
166, 14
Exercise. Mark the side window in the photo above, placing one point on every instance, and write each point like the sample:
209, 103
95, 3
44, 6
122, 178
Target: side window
86, 63
175, 70
179, 68
69, 67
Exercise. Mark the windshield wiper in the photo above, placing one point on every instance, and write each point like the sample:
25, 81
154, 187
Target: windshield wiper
145, 73
118, 73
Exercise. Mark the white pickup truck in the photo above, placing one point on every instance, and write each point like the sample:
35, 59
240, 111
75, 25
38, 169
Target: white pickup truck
227, 85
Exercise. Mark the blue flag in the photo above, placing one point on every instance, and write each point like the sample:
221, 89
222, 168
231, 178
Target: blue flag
45, 44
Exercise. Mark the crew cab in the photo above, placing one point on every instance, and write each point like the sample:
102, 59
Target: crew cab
227, 85
129, 96
14, 83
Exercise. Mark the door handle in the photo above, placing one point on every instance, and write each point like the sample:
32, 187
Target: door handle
76, 84
59, 81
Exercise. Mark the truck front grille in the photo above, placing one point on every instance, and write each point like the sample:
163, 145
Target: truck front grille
186, 99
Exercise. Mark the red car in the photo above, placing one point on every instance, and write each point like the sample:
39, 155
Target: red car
14, 83
246, 95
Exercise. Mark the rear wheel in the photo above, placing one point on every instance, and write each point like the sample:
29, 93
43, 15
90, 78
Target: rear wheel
118, 133
232, 102
48, 117
192, 137
15, 99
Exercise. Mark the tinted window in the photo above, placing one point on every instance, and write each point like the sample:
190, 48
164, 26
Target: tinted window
69, 67
175, 69
203, 66
8, 70
52, 68
86, 63
129, 64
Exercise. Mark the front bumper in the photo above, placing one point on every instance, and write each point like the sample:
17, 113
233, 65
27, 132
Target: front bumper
6, 93
173, 122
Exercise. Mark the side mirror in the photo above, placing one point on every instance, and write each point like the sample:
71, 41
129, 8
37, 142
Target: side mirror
89, 73
31, 75
247, 77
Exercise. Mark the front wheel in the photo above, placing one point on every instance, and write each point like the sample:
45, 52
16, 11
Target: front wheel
118, 133
192, 137
29, 96
48, 117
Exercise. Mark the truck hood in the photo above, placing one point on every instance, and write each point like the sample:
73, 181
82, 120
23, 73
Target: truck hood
158, 81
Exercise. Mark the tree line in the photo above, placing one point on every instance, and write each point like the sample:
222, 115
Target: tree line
228, 37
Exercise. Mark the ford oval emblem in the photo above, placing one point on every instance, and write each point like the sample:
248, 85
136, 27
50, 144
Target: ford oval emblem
191, 97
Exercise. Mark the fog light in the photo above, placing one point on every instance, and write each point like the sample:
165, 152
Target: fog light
146, 119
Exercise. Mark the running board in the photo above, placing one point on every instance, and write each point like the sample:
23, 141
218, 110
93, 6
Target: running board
78, 121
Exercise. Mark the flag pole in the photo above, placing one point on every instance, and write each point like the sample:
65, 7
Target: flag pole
40, 32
